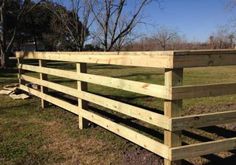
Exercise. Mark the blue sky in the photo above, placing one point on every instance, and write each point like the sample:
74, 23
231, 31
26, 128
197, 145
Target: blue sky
195, 19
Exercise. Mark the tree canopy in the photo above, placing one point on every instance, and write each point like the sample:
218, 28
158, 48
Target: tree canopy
40, 24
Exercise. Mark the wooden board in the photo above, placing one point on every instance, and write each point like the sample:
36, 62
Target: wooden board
42, 88
154, 90
208, 90
194, 150
173, 108
82, 86
129, 134
51, 99
203, 58
133, 111
143, 59
158, 59
203, 120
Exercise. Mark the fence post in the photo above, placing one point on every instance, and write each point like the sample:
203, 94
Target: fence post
172, 108
82, 86
42, 88
19, 70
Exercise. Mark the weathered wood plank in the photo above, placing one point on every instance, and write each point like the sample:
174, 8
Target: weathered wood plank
133, 111
208, 90
156, 59
203, 120
154, 90
194, 150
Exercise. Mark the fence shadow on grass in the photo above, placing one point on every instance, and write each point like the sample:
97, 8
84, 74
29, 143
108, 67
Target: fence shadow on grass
213, 158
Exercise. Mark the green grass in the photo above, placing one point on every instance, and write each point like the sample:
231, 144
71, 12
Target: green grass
30, 135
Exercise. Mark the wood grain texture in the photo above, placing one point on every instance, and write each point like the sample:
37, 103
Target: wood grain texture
154, 90
208, 90
126, 109
204, 58
172, 108
82, 86
129, 134
143, 59
194, 150
203, 120
158, 59
63, 104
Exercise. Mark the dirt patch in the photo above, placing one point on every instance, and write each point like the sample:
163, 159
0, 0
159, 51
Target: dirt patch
200, 109
141, 157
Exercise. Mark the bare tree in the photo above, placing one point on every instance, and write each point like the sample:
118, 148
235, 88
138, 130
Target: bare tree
76, 22
211, 41
230, 4
223, 38
6, 47
115, 22
164, 36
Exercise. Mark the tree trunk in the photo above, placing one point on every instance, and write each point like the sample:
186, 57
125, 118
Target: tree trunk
34, 33
2, 36
2, 59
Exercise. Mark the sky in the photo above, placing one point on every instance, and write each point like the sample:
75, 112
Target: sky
193, 19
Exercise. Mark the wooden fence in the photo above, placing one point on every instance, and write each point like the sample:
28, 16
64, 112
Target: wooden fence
172, 92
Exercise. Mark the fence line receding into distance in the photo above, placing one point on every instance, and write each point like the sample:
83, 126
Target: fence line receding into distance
172, 92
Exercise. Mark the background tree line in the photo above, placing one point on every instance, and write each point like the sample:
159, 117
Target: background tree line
50, 25
105, 25
170, 39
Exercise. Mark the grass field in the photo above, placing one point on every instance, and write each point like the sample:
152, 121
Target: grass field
30, 135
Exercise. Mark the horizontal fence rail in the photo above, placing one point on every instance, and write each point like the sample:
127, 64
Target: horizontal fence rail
172, 92
158, 59
186, 59
128, 85
154, 59
203, 120
133, 111
208, 90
